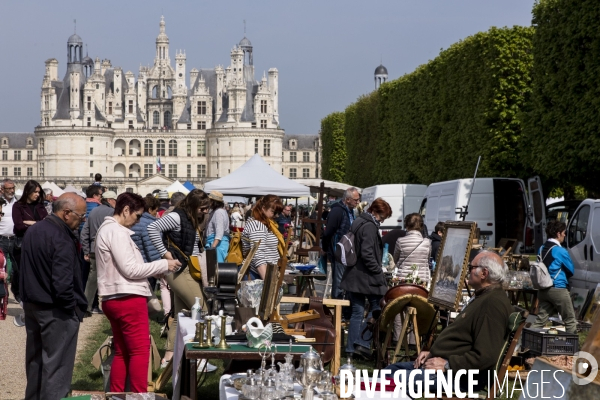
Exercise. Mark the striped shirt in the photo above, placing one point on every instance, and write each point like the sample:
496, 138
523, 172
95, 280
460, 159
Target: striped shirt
168, 223
267, 251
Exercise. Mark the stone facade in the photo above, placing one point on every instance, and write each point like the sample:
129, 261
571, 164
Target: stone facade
99, 118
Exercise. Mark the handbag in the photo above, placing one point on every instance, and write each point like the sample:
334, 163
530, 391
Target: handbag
539, 273
234, 255
193, 262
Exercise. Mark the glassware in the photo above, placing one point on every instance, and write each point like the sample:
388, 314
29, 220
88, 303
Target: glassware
269, 389
251, 389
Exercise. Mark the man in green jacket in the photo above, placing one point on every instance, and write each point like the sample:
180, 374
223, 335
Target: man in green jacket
475, 338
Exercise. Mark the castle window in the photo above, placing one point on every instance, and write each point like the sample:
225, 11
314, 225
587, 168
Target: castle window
41, 169
202, 108
41, 146
17, 155
29, 155
267, 148
29, 171
148, 170
172, 170
160, 147
154, 91
91, 163
253, 125
4, 155
156, 118
305, 172
91, 150
292, 156
189, 148
172, 148
17, 171
4, 142
189, 126
89, 103
130, 106
255, 146
148, 147
130, 124
292, 172
89, 122
110, 108
189, 170
201, 125
263, 106
4, 171
97, 86
167, 119
263, 123
91, 138
201, 170
201, 148
305, 156
46, 121
46, 102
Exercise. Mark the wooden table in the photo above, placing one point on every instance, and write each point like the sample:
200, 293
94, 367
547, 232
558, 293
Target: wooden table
516, 294
306, 285
237, 351
337, 324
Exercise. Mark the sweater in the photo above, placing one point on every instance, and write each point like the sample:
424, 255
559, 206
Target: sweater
218, 224
141, 238
475, 338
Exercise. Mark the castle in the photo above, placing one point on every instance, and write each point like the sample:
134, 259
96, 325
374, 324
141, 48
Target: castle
166, 124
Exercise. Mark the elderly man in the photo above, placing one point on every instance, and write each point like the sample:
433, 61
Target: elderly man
48, 199
475, 338
88, 244
53, 299
339, 221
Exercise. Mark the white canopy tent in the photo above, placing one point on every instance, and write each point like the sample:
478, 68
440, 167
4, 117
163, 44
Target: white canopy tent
256, 178
56, 191
72, 189
177, 187
332, 188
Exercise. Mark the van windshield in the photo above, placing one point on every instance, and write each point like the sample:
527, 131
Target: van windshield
510, 209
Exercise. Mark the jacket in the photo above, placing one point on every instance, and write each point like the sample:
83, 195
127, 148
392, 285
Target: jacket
142, 239
120, 265
91, 225
339, 221
21, 212
366, 276
407, 253
50, 269
184, 239
558, 262
436, 241
90, 204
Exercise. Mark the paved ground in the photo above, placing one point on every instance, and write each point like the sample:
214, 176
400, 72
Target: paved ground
12, 351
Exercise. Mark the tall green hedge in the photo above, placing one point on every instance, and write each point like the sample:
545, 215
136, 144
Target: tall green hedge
430, 125
333, 142
563, 125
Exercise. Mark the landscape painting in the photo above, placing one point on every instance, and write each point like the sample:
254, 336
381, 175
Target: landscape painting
452, 262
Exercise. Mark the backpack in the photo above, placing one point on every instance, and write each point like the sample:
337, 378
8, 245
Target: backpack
540, 276
345, 249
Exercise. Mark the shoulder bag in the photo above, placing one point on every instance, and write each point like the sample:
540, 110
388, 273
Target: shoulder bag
193, 262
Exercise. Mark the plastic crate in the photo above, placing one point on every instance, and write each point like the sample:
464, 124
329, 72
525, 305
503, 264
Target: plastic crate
539, 342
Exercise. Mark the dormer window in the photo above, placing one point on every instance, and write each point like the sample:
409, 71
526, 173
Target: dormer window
293, 144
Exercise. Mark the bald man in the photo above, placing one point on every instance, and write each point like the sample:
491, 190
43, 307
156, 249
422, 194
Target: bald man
475, 338
53, 298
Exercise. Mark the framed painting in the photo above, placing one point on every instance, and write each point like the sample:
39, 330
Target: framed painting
579, 297
452, 264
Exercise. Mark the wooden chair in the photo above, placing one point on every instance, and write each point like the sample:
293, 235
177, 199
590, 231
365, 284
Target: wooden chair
516, 323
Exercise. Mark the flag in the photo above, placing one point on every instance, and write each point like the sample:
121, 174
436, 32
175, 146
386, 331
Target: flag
158, 165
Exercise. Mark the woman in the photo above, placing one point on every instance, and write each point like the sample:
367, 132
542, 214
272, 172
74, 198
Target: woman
149, 252
181, 229
217, 230
365, 279
124, 289
261, 226
413, 249
28, 210
560, 267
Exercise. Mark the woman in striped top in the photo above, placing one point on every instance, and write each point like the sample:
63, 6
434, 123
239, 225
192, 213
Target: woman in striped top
181, 229
261, 226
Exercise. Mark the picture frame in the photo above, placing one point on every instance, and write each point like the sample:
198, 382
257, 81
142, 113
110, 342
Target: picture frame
452, 263
247, 261
579, 298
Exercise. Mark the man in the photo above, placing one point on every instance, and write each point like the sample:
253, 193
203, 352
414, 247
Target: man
7, 235
339, 221
88, 244
475, 338
53, 299
285, 218
436, 239
163, 196
175, 200
48, 199
93, 199
97, 180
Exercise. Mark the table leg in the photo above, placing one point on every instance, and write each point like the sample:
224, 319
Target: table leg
193, 391
335, 363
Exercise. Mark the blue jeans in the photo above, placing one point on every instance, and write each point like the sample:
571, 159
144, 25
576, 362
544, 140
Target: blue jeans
222, 248
358, 321
337, 271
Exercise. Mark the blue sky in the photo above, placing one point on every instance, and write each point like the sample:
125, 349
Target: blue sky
326, 51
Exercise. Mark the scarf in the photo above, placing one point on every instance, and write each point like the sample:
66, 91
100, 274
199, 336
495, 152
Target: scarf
373, 218
274, 228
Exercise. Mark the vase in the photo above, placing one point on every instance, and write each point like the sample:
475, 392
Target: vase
196, 310
258, 334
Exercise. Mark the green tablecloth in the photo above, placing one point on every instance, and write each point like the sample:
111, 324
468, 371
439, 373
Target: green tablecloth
281, 348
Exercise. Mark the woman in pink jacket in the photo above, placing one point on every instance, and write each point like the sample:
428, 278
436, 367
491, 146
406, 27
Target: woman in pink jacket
124, 290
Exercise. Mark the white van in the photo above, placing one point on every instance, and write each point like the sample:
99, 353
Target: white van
583, 242
500, 206
403, 198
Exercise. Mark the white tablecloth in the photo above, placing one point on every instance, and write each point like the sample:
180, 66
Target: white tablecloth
186, 327
229, 393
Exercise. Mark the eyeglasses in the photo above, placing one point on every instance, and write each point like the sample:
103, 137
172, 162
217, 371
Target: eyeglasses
471, 266
9, 188
81, 217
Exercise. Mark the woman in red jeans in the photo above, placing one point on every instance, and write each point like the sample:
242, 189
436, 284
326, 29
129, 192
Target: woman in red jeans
123, 288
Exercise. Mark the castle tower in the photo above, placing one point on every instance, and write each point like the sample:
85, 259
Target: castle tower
162, 45
236, 87
246, 47
381, 75
274, 89
180, 92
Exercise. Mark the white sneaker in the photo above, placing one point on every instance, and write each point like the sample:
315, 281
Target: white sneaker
19, 320
209, 366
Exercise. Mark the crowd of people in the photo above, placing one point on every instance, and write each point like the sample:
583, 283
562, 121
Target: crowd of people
106, 253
